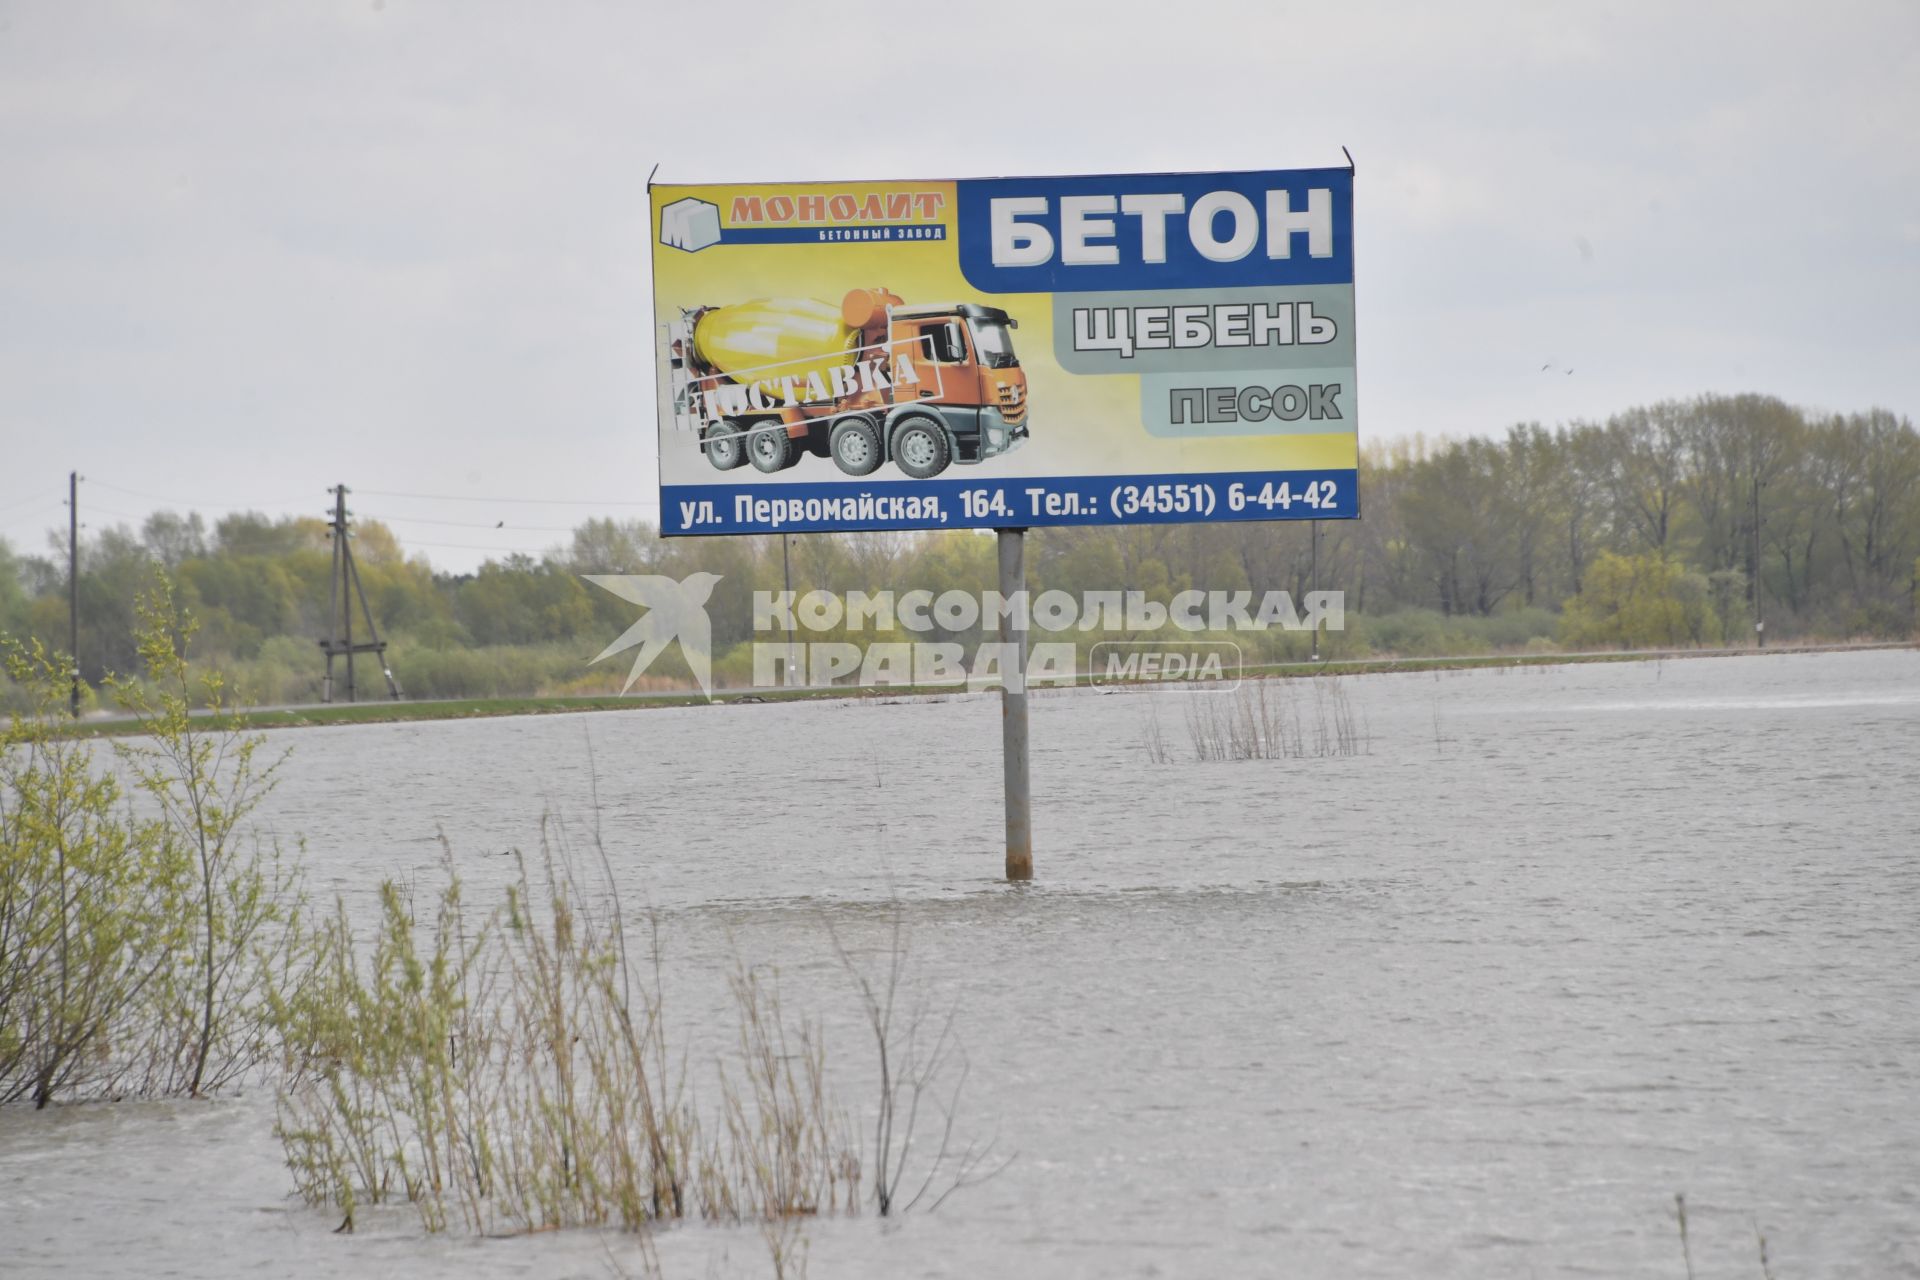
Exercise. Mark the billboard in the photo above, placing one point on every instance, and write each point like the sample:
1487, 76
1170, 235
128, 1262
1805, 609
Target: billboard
1005, 352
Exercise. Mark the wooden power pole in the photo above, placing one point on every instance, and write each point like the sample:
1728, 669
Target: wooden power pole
1759, 617
345, 588
73, 589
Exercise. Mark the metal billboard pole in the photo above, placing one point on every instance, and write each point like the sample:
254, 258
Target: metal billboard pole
1013, 703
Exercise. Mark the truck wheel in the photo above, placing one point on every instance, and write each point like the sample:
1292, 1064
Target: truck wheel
723, 446
770, 448
856, 447
920, 447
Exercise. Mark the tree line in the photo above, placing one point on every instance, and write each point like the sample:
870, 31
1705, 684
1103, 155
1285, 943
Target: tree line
1751, 508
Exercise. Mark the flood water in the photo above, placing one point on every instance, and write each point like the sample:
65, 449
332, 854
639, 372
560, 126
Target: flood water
1478, 1002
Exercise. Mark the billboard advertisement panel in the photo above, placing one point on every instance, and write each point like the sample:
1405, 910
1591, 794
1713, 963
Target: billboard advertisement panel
1005, 352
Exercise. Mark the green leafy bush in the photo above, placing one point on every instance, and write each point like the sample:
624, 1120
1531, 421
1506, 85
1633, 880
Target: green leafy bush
141, 932
1639, 602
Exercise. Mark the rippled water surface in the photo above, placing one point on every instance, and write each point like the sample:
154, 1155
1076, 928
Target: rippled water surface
1477, 1003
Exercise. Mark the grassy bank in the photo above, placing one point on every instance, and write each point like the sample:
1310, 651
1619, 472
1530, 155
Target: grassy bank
386, 712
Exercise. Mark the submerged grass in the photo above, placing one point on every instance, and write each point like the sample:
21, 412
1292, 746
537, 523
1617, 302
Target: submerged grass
1268, 720
1686, 1239
508, 1070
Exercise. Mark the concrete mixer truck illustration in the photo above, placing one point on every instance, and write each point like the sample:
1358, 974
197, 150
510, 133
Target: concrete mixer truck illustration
865, 383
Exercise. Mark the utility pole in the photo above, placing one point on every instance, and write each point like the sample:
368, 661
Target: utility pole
1013, 702
73, 589
343, 588
1759, 621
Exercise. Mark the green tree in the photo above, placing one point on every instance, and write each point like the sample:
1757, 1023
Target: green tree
174, 539
1648, 455
13, 594
1639, 602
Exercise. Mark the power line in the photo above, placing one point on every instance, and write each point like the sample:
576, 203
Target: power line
650, 503
475, 524
94, 507
186, 502
388, 519
502, 526
21, 502
46, 504
22, 537
474, 546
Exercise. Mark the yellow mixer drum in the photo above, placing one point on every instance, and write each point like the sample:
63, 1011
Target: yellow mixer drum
773, 338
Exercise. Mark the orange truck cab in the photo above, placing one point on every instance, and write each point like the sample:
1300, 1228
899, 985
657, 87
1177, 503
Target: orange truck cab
968, 371
920, 386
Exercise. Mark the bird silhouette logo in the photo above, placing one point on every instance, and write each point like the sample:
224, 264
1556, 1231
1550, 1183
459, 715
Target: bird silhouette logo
674, 611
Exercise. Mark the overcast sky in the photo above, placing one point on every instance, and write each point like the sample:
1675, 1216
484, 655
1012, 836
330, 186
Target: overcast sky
248, 250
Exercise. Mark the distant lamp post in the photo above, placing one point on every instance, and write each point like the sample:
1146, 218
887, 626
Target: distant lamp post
1315, 588
786, 580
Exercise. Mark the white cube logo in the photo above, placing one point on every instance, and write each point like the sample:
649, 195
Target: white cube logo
692, 225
